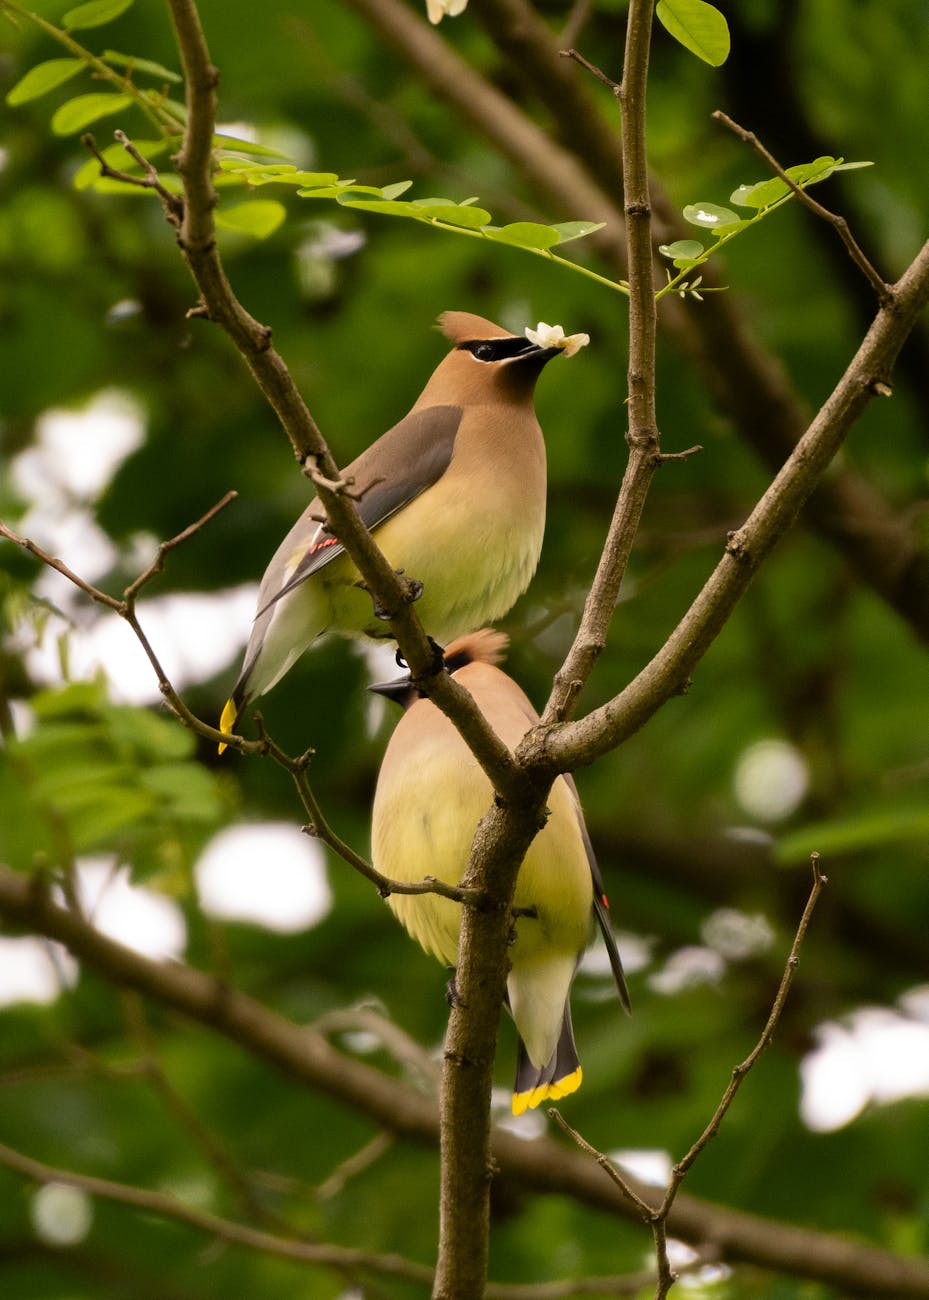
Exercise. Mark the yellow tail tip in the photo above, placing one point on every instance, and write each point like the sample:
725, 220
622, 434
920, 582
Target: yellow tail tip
533, 1097
227, 721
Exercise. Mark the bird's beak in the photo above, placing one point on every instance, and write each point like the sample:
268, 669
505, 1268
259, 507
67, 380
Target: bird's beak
535, 355
397, 690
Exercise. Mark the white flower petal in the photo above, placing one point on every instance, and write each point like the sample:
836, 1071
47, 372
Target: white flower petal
437, 9
553, 336
573, 343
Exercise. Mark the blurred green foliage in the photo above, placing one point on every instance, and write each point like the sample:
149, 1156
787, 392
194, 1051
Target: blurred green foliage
93, 295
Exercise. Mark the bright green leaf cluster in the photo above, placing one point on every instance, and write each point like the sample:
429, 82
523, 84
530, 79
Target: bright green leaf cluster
724, 224
92, 776
113, 71
464, 217
257, 218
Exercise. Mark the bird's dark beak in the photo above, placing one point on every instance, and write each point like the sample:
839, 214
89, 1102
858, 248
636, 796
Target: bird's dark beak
534, 356
401, 690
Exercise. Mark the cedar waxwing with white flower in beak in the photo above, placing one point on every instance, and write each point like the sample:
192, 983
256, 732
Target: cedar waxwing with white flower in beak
454, 493
431, 794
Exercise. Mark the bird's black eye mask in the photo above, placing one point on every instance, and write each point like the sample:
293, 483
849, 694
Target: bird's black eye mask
497, 349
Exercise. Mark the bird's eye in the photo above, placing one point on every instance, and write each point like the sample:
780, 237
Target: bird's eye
483, 351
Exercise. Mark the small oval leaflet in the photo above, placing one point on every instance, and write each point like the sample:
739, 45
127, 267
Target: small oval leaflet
94, 14
452, 214
698, 26
257, 217
682, 250
525, 234
132, 65
711, 216
85, 109
42, 78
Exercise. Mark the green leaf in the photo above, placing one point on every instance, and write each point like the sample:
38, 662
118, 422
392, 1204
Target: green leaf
256, 217
760, 195
392, 207
454, 214
84, 109
348, 188
146, 735
434, 202
246, 146
394, 191
94, 14
682, 250
698, 26
568, 230
187, 788
110, 809
42, 78
852, 166
73, 786
525, 234
764, 193
132, 64
78, 697
276, 173
710, 216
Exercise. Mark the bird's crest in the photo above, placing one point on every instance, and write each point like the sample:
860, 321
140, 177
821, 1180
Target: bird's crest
463, 327
483, 647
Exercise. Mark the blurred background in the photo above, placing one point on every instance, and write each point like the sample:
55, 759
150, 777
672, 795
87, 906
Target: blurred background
122, 421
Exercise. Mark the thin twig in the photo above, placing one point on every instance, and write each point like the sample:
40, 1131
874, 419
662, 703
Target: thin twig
169, 1207
606, 1164
358, 1162
95, 594
592, 68
157, 565
656, 1216
149, 180
320, 829
876, 281
740, 1071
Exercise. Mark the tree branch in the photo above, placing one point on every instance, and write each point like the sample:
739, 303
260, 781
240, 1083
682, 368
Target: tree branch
642, 436
667, 673
197, 241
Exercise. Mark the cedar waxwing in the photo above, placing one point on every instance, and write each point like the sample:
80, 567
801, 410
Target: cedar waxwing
456, 494
431, 794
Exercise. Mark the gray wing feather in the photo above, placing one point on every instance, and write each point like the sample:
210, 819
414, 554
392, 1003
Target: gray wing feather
396, 469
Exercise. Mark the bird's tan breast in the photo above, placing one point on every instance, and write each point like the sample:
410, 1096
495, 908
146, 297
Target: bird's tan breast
474, 538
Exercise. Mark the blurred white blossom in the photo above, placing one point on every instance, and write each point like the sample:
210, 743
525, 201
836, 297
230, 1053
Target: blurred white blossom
688, 968
735, 935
